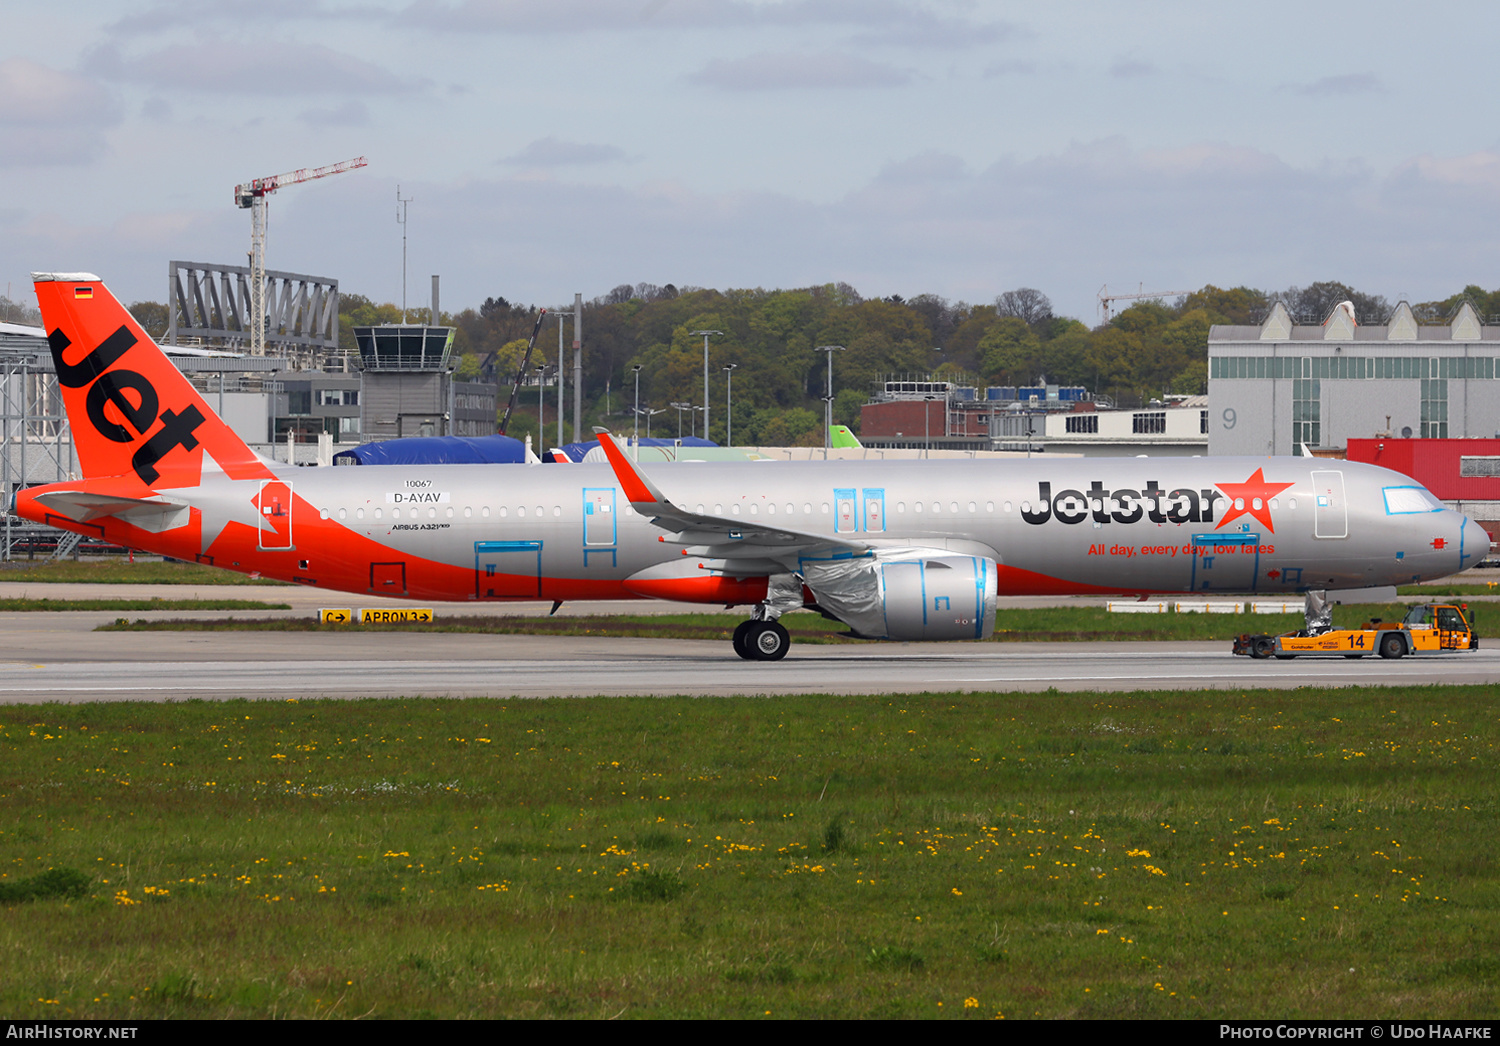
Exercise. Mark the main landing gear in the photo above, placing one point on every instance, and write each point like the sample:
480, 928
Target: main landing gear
761, 640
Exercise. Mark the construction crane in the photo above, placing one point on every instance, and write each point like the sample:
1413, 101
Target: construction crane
252, 195
1105, 299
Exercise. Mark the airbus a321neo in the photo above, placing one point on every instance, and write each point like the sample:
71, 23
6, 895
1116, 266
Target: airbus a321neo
914, 550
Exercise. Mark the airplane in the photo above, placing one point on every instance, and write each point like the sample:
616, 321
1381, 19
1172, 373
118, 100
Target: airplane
898, 550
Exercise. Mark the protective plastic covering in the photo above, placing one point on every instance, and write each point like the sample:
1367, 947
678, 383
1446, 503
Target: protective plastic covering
909, 594
576, 451
783, 593
437, 450
1317, 612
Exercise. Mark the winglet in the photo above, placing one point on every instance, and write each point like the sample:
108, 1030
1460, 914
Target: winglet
638, 489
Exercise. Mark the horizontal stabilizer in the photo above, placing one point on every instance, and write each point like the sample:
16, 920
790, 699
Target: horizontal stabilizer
82, 506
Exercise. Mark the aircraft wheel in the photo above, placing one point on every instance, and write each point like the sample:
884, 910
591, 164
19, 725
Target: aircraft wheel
1391, 646
767, 640
740, 642
1262, 648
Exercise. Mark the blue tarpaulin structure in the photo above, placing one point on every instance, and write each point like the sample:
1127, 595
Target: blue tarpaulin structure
437, 450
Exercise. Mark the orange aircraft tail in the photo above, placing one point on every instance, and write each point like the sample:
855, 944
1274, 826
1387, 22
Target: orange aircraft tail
131, 412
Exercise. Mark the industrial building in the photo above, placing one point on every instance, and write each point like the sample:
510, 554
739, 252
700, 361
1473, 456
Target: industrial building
1177, 428
1054, 419
1280, 385
925, 414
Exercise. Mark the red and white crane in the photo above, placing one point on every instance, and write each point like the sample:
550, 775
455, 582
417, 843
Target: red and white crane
1106, 298
252, 195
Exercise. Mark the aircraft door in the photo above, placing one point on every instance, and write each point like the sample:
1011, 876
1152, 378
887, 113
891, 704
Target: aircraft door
507, 569
1226, 562
874, 510
274, 501
846, 517
1330, 513
600, 526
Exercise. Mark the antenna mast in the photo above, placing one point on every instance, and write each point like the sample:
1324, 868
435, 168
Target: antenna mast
401, 221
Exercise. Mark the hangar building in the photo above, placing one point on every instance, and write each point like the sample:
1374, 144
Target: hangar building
1277, 386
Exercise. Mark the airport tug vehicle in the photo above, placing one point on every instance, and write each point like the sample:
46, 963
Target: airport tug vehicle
1428, 628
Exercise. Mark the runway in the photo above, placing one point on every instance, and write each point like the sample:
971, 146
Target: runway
55, 660
57, 656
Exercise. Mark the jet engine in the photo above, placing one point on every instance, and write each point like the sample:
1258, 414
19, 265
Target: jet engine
908, 595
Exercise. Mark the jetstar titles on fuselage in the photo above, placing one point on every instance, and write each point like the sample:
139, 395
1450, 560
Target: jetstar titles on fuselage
1181, 505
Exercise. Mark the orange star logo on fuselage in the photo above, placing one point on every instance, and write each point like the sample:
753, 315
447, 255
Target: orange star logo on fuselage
1252, 497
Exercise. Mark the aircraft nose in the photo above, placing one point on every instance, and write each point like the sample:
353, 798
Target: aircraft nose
1476, 543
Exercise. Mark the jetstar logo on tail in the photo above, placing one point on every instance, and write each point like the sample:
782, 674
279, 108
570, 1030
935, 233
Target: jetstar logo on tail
1251, 497
133, 397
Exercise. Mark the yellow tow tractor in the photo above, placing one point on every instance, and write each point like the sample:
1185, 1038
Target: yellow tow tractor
1428, 628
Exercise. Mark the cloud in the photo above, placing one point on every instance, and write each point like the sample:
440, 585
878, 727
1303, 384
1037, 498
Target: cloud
177, 14
215, 65
51, 117
1065, 222
922, 169
1479, 170
1012, 66
880, 22
1338, 86
352, 113
1130, 68
575, 16
772, 72
156, 109
554, 152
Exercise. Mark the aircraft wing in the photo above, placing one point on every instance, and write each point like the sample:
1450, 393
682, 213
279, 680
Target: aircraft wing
717, 536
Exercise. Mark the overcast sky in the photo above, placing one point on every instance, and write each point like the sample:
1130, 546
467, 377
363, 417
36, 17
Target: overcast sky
901, 146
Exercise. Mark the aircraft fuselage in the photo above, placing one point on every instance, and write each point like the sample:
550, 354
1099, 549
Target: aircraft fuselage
1140, 525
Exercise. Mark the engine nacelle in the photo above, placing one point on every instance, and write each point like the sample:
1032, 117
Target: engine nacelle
910, 596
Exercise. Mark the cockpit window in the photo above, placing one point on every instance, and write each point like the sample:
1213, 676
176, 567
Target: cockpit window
1400, 501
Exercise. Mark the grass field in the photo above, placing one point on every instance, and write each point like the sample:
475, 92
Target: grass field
155, 603
1048, 624
1440, 589
1308, 853
123, 572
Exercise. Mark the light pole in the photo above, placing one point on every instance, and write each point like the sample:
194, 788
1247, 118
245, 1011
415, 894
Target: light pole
561, 378
728, 405
705, 376
680, 408
828, 400
636, 413
927, 425
648, 412
541, 405
927, 410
